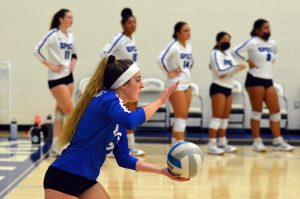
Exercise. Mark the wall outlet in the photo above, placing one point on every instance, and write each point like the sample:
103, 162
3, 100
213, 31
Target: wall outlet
297, 104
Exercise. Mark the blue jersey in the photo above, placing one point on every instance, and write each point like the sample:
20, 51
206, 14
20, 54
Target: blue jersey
101, 129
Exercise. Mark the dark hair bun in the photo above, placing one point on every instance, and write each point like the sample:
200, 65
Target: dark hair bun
111, 59
126, 12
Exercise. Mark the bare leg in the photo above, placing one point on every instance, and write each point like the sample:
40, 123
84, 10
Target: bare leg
95, 192
53, 194
179, 104
228, 103
271, 100
256, 95
218, 103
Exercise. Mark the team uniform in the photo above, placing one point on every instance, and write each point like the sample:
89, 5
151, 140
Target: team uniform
263, 54
101, 130
221, 63
60, 50
177, 56
122, 47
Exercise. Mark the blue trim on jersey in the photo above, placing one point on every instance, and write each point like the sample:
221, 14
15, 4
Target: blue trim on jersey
162, 58
219, 69
115, 43
236, 51
47, 37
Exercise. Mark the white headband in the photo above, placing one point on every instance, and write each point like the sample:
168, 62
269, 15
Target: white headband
127, 75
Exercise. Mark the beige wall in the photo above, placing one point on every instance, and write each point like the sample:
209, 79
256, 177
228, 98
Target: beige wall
24, 23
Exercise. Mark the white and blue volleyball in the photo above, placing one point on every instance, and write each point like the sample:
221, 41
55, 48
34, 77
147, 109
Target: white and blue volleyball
185, 159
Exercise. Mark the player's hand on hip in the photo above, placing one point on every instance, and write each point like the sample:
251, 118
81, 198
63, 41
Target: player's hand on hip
174, 73
251, 63
164, 96
241, 67
56, 68
72, 65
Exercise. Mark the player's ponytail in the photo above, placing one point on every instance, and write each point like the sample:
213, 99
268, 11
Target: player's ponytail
258, 24
107, 72
177, 28
58, 15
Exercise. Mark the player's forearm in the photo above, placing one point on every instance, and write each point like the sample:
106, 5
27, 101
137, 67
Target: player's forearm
147, 167
151, 109
47, 64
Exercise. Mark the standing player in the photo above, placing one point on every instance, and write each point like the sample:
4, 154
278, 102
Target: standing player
61, 60
97, 127
223, 67
262, 53
123, 47
176, 61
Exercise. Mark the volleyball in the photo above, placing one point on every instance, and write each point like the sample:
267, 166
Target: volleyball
185, 159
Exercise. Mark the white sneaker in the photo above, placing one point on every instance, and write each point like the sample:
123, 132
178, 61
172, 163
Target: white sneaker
258, 146
229, 148
282, 146
213, 149
226, 147
136, 152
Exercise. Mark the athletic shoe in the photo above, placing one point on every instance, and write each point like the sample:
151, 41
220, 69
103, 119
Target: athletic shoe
136, 152
282, 146
213, 149
258, 146
226, 147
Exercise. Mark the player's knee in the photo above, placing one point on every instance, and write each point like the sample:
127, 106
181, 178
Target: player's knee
256, 115
275, 117
215, 123
59, 116
179, 125
224, 123
68, 110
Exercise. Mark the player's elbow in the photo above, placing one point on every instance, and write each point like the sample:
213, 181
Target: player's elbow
130, 123
127, 162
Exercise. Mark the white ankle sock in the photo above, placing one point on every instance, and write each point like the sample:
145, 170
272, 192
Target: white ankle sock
213, 140
278, 140
258, 139
223, 140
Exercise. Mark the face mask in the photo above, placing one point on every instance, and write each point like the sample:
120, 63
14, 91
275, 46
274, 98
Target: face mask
224, 46
266, 36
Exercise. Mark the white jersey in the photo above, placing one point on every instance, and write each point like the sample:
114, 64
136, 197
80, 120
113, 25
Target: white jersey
122, 47
262, 53
177, 56
222, 63
60, 50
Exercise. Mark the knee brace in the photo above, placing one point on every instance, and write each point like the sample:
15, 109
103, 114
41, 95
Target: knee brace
59, 116
256, 115
276, 117
215, 123
224, 123
179, 125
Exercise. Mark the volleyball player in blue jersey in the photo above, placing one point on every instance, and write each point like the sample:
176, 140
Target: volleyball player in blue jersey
98, 126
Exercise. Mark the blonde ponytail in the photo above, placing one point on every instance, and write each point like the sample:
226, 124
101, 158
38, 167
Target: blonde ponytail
94, 86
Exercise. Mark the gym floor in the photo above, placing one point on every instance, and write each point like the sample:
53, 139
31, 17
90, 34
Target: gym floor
245, 174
